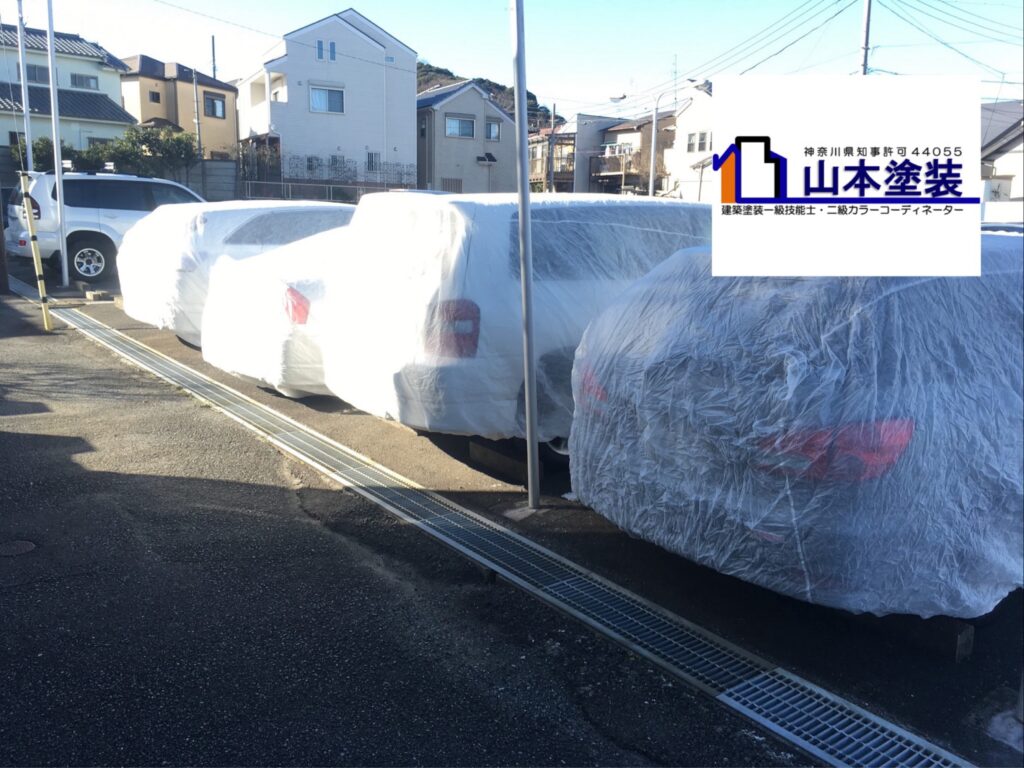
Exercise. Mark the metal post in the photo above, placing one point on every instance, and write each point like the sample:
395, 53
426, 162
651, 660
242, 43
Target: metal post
654, 145
58, 161
551, 148
24, 89
30, 224
526, 263
213, 55
199, 131
867, 32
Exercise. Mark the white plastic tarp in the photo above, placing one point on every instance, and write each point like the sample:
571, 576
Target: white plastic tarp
851, 442
262, 317
426, 319
164, 260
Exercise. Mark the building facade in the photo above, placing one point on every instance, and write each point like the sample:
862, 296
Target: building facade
88, 88
164, 94
465, 142
336, 104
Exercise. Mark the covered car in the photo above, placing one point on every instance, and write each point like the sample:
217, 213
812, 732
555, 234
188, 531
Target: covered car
263, 314
165, 258
426, 317
852, 442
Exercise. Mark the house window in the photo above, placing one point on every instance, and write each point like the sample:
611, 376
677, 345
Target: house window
493, 130
332, 51
691, 142
702, 142
319, 50
154, 96
95, 141
327, 100
451, 185
15, 138
85, 81
372, 162
36, 74
213, 105
214, 155
389, 59
460, 127
423, 127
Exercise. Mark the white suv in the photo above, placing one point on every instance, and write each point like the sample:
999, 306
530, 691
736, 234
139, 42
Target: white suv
98, 207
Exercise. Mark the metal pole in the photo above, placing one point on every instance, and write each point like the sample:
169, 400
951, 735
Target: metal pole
24, 89
199, 132
551, 148
867, 31
30, 224
654, 145
526, 264
58, 161
213, 55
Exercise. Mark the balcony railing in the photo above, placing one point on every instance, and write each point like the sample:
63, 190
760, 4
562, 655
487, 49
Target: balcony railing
606, 166
539, 166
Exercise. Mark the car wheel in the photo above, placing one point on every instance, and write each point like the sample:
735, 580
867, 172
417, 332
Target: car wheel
555, 453
92, 259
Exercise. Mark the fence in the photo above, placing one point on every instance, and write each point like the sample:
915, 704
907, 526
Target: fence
304, 190
221, 179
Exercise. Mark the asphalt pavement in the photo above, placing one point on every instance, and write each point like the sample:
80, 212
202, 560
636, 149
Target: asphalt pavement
176, 591
276, 617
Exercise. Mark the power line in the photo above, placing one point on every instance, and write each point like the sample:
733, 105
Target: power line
979, 16
794, 42
939, 40
276, 36
958, 26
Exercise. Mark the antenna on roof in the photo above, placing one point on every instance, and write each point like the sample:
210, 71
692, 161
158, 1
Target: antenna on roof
213, 54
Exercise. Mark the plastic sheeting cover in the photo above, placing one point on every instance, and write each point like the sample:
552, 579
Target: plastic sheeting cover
426, 319
850, 442
164, 260
262, 317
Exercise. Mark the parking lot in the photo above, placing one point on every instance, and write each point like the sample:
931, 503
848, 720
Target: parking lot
215, 609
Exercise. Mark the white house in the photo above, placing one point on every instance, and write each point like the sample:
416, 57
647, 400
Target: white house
88, 88
337, 103
1002, 160
465, 142
688, 161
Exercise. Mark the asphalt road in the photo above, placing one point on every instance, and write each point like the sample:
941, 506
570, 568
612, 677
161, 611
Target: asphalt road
898, 667
196, 597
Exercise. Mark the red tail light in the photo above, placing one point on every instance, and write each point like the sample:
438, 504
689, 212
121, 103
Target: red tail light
591, 387
453, 328
296, 306
862, 451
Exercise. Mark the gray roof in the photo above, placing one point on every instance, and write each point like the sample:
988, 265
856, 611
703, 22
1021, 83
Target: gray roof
1002, 125
432, 96
147, 66
72, 45
83, 105
637, 123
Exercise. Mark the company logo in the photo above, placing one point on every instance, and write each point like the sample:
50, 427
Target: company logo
847, 176
752, 173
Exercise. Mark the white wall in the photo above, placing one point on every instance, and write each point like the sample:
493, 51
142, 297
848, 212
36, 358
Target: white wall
379, 82
683, 181
1012, 164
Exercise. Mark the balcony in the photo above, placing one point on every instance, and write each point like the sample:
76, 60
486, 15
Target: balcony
616, 165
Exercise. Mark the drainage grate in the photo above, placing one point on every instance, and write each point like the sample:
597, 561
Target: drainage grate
824, 725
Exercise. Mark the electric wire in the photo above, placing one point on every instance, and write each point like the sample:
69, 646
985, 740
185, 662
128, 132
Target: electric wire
953, 24
937, 39
794, 42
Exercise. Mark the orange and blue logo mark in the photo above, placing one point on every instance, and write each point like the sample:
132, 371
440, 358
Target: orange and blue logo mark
751, 173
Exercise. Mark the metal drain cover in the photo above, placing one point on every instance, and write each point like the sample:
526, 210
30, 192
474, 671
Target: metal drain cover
15, 547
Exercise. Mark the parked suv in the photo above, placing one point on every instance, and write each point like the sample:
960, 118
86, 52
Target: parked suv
98, 208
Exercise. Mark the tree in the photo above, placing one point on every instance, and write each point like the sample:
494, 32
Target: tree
42, 154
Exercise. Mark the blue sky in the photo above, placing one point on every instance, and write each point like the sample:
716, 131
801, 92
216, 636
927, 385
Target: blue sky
579, 54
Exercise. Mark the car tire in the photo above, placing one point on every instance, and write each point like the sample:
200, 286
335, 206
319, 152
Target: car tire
555, 453
91, 258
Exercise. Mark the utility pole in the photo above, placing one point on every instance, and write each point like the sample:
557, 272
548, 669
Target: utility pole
213, 55
24, 88
867, 32
58, 161
551, 149
199, 131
